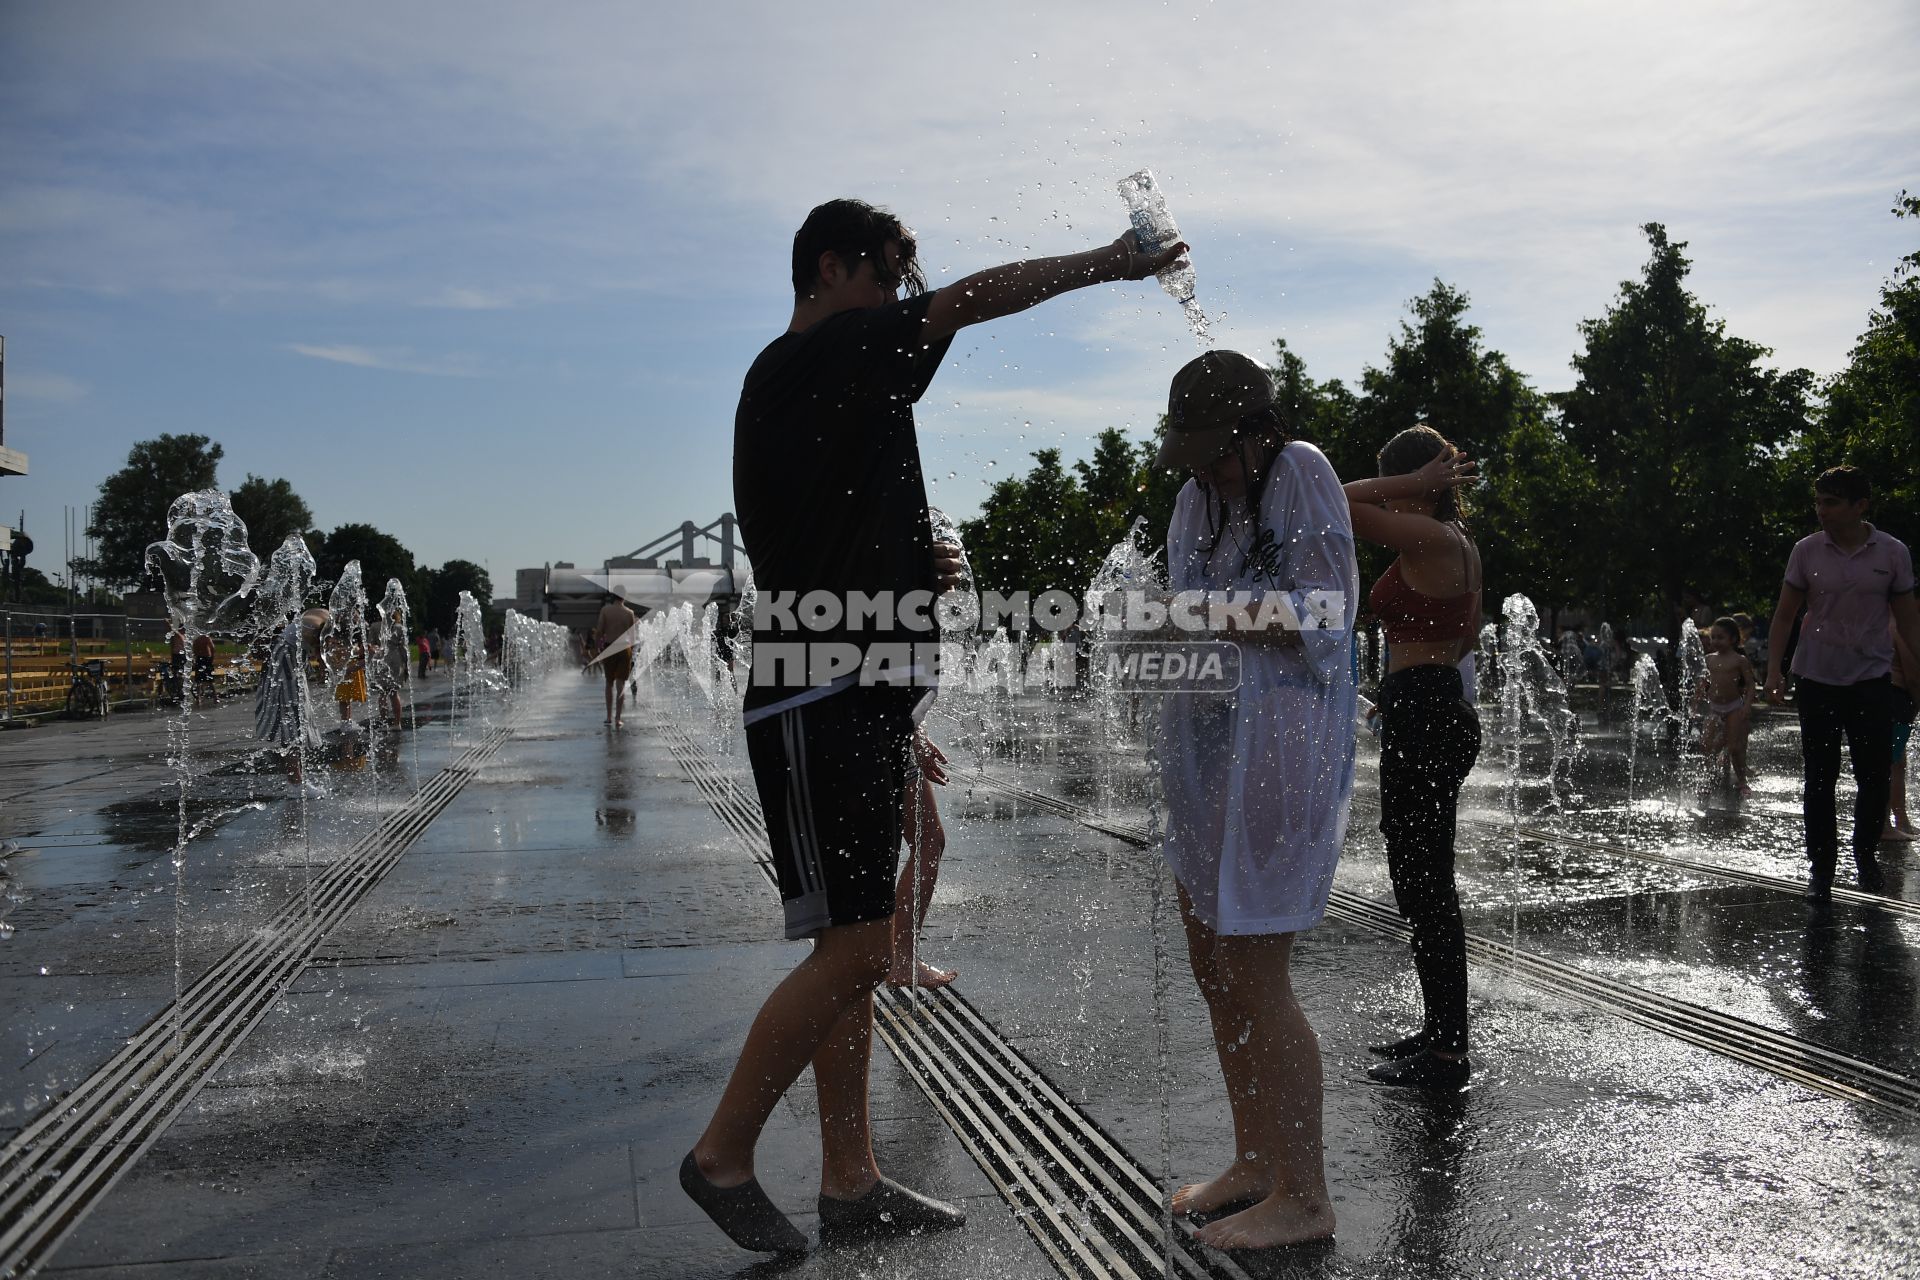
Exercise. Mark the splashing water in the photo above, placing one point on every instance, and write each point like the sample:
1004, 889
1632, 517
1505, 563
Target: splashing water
1197, 321
1131, 567
1605, 671
277, 601
10, 896
1573, 658
471, 674
392, 632
348, 655
208, 573
1690, 714
1647, 714
1533, 694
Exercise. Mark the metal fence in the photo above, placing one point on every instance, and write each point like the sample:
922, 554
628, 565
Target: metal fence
43, 651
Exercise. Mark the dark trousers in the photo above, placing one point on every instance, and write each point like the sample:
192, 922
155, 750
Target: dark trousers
1864, 713
1429, 739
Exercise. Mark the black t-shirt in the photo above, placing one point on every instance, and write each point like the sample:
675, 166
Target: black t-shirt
826, 467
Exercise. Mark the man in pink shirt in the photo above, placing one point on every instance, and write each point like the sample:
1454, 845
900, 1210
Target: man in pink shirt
1850, 577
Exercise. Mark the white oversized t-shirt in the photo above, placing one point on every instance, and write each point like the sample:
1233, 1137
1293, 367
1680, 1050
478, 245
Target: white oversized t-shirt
1258, 782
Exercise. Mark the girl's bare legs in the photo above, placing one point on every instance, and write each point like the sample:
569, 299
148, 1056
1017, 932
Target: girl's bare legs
926, 840
1248, 1175
1738, 726
1271, 1060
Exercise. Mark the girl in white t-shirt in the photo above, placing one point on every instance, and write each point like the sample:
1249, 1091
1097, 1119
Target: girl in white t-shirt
1257, 781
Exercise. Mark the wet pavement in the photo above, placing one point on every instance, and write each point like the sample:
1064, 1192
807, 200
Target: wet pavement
495, 1062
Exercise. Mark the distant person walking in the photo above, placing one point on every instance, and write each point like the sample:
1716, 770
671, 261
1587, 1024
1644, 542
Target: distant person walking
1429, 601
610, 629
425, 648
831, 497
1851, 578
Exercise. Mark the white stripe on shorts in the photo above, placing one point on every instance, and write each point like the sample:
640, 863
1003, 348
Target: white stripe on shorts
796, 830
812, 846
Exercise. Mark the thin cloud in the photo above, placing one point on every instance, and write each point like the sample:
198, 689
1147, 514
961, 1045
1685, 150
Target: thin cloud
398, 361
54, 387
472, 300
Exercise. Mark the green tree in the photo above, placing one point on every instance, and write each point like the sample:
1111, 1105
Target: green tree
132, 509
1323, 413
380, 555
1439, 370
1117, 486
1870, 416
442, 592
1052, 527
272, 510
1021, 540
1682, 426
36, 589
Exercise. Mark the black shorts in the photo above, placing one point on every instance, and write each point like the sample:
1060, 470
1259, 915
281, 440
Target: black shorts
832, 775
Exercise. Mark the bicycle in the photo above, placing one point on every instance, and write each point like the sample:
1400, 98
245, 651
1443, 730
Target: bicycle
87, 695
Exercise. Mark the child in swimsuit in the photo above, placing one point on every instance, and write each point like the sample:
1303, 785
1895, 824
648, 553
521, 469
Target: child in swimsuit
1728, 690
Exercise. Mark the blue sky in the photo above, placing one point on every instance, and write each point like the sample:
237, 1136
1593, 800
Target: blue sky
488, 275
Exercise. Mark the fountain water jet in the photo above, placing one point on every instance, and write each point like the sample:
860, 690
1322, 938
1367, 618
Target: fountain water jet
208, 572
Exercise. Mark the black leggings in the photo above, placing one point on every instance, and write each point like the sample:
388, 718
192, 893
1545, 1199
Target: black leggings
1429, 739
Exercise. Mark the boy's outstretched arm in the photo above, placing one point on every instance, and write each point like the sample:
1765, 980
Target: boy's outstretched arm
1016, 286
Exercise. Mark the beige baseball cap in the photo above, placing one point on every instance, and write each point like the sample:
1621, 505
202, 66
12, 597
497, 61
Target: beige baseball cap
1208, 399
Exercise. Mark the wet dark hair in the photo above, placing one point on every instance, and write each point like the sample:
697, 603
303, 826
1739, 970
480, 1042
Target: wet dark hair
1266, 427
1729, 625
1413, 449
852, 230
1846, 482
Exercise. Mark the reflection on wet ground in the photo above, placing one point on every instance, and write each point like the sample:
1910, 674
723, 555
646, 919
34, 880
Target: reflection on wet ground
500, 1057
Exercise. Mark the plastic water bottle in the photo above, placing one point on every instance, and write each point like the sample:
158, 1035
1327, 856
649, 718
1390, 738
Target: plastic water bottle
1154, 228
945, 530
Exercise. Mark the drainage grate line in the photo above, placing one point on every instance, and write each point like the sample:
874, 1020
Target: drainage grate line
1040, 1136
1781, 1053
1092, 1209
1022, 1183
64, 1161
211, 990
1897, 906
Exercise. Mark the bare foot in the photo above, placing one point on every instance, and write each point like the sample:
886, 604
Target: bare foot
1746, 792
930, 977
1244, 1183
1895, 834
1277, 1221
